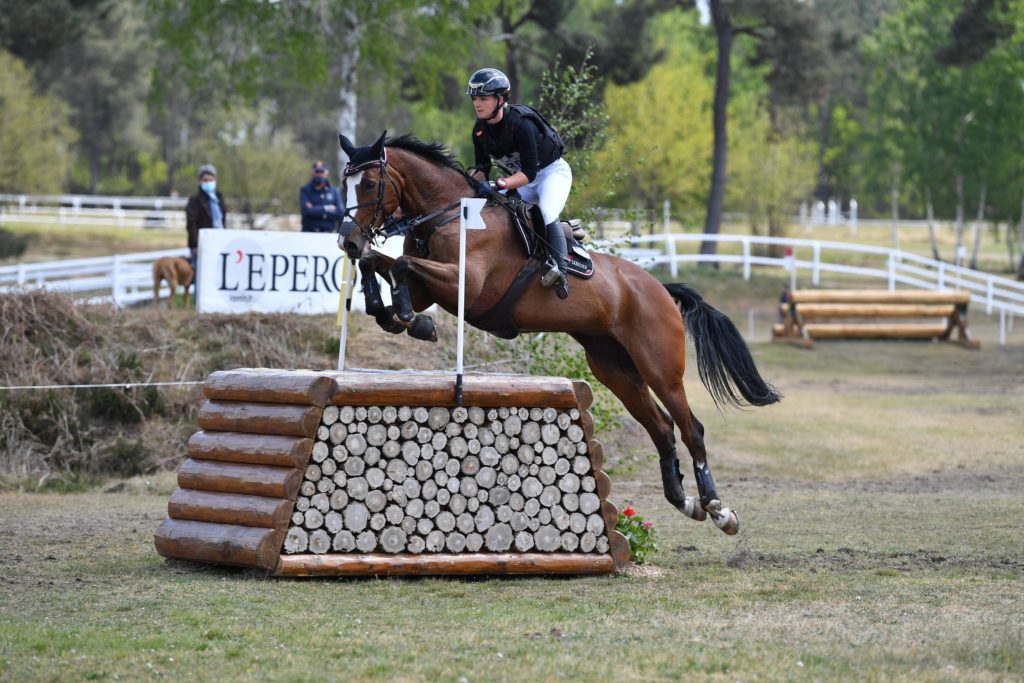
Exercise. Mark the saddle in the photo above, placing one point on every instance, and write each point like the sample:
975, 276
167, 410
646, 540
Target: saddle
531, 231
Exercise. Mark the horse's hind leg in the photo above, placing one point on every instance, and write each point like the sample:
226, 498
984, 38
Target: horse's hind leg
660, 359
613, 367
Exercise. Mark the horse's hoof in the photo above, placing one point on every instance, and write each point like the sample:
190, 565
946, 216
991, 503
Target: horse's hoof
423, 328
693, 509
728, 521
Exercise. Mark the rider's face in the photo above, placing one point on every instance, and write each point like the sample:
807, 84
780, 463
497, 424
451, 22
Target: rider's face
484, 105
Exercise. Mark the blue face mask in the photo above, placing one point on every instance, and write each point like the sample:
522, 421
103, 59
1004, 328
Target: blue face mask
209, 185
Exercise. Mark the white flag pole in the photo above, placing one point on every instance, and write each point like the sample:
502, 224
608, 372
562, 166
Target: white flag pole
348, 273
469, 219
462, 302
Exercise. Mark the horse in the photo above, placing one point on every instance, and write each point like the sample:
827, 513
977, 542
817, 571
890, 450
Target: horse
631, 327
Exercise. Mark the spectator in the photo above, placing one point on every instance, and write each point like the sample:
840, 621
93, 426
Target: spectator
319, 202
205, 209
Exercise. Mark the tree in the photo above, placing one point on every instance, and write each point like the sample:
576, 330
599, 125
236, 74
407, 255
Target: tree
35, 137
792, 47
255, 45
103, 75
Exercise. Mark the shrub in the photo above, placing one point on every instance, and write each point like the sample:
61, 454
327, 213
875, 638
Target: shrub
639, 533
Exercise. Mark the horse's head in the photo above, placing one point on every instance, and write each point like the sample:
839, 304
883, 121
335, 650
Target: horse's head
371, 193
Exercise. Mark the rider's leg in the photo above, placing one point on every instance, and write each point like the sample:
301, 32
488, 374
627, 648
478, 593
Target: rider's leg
552, 186
557, 275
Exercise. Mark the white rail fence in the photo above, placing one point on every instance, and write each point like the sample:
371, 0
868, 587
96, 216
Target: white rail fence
810, 258
122, 212
127, 279
122, 278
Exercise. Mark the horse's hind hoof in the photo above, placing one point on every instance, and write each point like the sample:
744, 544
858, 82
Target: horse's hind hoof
727, 520
692, 509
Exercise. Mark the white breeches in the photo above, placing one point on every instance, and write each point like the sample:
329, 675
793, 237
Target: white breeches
549, 190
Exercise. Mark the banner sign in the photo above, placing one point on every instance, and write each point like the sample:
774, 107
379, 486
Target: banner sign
258, 271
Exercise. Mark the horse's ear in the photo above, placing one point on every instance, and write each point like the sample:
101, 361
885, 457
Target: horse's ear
377, 151
346, 145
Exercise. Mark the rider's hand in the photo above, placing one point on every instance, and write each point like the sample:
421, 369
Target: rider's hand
485, 188
330, 207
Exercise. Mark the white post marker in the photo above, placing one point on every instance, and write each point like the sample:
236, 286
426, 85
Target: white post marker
348, 274
469, 219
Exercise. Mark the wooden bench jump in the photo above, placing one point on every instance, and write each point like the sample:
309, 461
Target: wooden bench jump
809, 314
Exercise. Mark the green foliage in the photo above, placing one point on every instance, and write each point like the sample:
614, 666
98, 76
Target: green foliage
260, 168
660, 133
640, 534
568, 100
34, 137
125, 458
771, 170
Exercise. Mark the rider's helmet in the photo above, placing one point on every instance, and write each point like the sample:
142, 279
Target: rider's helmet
489, 82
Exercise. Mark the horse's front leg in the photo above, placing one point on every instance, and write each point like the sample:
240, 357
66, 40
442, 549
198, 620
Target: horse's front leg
417, 283
400, 316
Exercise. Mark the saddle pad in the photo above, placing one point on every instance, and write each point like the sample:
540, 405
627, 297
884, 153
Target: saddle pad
578, 261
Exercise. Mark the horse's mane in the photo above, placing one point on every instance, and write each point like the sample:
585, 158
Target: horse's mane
431, 151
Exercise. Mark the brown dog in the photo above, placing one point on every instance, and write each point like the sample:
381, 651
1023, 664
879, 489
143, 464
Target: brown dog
176, 271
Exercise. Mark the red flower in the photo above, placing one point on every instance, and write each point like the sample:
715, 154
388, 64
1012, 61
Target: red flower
629, 512
647, 525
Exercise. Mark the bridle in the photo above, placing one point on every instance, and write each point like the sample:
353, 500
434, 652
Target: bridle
382, 227
372, 230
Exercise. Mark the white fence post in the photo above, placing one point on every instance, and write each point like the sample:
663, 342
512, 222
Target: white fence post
988, 295
942, 275
670, 241
892, 271
746, 257
115, 278
816, 264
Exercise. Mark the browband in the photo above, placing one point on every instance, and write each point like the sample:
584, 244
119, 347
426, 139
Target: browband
352, 170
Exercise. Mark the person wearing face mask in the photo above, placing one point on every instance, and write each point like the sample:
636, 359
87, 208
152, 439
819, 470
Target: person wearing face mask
205, 209
319, 202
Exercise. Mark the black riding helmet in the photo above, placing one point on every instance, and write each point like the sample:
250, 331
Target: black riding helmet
489, 82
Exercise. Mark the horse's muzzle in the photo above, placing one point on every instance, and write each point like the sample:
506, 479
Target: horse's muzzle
350, 240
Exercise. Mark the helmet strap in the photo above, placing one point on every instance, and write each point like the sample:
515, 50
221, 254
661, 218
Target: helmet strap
497, 107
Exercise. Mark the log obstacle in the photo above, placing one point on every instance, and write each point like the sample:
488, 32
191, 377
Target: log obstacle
809, 314
302, 473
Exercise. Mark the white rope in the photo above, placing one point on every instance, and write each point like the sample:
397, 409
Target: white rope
119, 385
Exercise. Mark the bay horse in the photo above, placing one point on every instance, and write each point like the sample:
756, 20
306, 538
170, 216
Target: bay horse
631, 326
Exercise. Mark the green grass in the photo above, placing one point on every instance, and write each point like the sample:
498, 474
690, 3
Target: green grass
882, 505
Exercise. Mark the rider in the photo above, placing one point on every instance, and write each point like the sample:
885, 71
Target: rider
522, 142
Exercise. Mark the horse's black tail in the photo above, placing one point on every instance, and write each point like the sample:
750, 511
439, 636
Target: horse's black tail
723, 359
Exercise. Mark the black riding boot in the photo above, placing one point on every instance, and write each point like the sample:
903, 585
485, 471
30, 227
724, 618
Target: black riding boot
556, 276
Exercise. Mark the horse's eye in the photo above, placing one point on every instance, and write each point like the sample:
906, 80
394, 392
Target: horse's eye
368, 184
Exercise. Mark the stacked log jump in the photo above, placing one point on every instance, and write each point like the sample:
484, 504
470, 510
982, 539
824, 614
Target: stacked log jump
809, 314
300, 473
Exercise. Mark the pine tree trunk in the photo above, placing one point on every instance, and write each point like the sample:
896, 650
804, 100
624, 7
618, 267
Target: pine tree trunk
978, 229
896, 206
931, 223
959, 217
1020, 236
716, 199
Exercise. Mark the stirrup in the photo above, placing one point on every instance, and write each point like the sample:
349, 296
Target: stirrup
551, 276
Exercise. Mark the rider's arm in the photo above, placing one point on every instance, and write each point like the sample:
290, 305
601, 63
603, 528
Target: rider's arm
482, 161
525, 140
